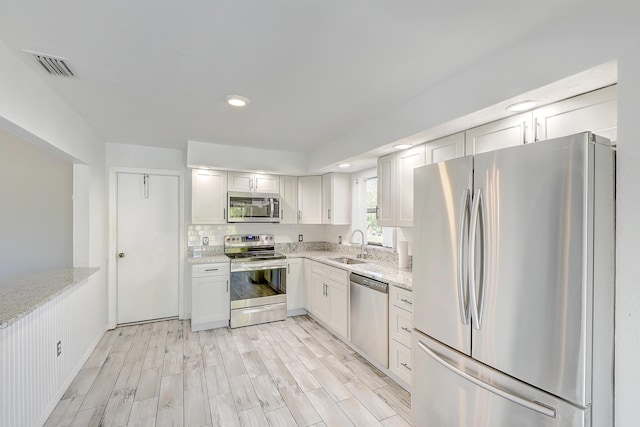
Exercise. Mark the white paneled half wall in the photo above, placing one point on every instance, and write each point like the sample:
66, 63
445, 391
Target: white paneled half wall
32, 377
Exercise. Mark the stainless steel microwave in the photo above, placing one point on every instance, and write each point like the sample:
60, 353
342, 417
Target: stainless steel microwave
253, 207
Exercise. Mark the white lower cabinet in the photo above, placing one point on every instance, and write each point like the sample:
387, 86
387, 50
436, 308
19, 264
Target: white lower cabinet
295, 286
308, 285
400, 360
210, 303
330, 287
400, 330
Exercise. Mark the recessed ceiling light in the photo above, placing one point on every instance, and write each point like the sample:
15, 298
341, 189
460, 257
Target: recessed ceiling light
237, 100
344, 165
521, 106
402, 146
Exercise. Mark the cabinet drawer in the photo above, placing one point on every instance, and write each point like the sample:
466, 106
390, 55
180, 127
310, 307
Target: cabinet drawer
208, 270
400, 360
400, 325
401, 298
336, 274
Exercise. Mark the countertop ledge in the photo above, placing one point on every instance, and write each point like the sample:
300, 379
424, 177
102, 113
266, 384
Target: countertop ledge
386, 272
21, 296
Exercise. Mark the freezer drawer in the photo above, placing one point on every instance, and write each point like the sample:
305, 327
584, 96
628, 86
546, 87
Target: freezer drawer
452, 390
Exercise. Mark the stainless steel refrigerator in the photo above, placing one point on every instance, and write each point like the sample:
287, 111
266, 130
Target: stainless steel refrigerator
513, 281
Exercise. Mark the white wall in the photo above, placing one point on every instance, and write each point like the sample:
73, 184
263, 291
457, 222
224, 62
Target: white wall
33, 112
37, 216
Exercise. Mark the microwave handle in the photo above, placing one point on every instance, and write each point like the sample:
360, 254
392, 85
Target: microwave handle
224, 213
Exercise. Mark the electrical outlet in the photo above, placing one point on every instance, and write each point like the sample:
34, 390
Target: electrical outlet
300, 238
58, 348
205, 240
339, 240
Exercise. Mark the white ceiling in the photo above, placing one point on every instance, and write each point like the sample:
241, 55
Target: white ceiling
156, 72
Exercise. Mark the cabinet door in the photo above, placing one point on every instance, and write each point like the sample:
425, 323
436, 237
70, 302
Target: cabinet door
503, 133
310, 200
308, 285
210, 300
386, 191
263, 183
336, 199
407, 161
596, 111
446, 148
288, 200
239, 181
295, 284
208, 197
339, 307
321, 304
400, 360
327, 205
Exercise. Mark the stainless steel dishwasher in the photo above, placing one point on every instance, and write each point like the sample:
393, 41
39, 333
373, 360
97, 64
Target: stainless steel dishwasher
369, 304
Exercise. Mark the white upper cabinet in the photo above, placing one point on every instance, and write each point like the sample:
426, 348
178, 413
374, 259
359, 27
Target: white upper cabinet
407, 161
387, 190
208, 196
310, 200
253, 182
288, 200
447, 148
594, 111
336, 198
514, 130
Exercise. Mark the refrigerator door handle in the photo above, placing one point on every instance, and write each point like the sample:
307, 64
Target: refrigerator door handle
483, 272
473, 230
532, 405
463, 237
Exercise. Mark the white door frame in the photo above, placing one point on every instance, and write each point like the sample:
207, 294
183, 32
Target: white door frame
112, 276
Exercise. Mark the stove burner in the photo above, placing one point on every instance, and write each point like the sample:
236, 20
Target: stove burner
251, 247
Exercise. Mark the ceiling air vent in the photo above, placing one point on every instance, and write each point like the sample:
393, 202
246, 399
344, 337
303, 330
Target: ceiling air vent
53, 64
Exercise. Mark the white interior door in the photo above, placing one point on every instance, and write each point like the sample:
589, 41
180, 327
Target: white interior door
148, 225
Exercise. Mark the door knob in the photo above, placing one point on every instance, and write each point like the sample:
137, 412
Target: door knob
121, 255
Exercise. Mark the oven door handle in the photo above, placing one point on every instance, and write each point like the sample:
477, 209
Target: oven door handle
254, 266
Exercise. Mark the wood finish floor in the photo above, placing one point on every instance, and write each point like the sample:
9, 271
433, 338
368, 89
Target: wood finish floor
287, 373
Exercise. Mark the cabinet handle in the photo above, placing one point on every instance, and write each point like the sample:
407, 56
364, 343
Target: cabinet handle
227, 286
535, 130
406, 329
210, 269
250, 183
224, 213
406, 300
288, 268
406, 366
524, 132
299, 213
281, 214
377, 212
329, 213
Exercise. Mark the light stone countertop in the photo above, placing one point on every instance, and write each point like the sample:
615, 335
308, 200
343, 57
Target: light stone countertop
375, 269
21, 296
207, 259
379, 270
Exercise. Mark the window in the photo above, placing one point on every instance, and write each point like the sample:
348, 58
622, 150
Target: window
374, 231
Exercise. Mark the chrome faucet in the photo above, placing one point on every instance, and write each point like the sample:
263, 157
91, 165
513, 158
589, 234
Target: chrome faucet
363, 251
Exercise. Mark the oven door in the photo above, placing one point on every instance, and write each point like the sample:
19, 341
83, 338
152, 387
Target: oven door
253, 207
258, 283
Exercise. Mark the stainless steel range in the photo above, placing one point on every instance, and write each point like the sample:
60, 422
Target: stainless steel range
258, 279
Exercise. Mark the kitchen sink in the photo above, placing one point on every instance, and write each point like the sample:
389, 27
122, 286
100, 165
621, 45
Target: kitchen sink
345, 260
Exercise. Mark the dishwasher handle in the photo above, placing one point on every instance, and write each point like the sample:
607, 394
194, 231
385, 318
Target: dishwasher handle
367, 282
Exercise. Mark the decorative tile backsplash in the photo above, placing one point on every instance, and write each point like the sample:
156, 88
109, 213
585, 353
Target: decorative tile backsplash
195, 233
